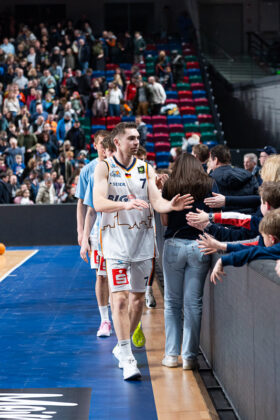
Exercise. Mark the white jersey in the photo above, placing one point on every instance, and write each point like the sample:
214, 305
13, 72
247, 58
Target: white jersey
128, 235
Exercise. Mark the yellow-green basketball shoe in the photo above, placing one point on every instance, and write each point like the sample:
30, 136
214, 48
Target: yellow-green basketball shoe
138, 338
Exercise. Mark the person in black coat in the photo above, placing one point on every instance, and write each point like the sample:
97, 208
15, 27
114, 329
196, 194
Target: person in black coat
231, 181
5, 194
76, 136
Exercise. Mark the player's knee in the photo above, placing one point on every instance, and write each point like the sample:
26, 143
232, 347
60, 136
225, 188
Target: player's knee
120, 303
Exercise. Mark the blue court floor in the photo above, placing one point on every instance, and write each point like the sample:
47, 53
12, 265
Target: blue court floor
49, 318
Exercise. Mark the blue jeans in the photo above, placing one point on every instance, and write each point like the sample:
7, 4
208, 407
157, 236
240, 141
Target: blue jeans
114, 110
185, 269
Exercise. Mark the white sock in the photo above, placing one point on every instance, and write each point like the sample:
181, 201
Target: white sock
104, 313
149, 289
125, 349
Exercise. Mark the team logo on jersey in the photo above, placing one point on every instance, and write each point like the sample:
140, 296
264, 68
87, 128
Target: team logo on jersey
115, 174
121, 197
119, 276
141, 170
117, 184
95, 256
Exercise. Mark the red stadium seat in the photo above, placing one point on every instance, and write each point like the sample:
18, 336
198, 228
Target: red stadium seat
172, 101
189, 134
110, 127
201, 101
111, 66
187, 110
161, 137
159, 119
160, 128
176, 128
186, 79
186, 102
98, 121
147, 119
151, 156
184, 94
113, 120
151, 47
197, 86
204, 118
193, 65
162, 146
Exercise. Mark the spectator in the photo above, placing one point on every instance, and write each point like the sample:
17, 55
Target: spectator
46, 193
250, 161
142, 97
12, 151
83, 54
177, 66
20, 79
230, 180
13, 185
76, 136
62, 166
201, 152
130, 92
18, 167
158, 95
11, 103
39, 113
114, 97
265, 153
70, 60
63, 127
142, 129
98, 56
28, 141
139, 48
26, 198
161, 65
7, 47
5, 195
100, 106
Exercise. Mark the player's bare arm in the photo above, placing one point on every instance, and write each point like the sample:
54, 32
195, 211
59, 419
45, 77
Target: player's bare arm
81, 215
89, 222
100, 193
178, 203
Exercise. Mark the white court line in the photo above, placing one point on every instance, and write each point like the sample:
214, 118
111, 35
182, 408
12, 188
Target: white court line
18, 265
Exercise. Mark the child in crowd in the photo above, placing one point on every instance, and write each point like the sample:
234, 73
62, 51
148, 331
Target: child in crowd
270, 231
18, 167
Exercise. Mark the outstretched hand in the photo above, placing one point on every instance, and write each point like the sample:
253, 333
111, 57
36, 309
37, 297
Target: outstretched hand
181, 202
217, 201
136, 204
208, 244
217, 272
199, 217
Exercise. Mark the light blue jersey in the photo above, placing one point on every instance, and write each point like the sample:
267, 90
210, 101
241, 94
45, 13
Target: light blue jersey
88, 201
84, 178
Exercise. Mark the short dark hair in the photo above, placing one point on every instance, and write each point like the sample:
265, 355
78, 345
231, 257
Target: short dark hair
270, 193
121, 127
222, 153
3, 175
201, 151
141, 151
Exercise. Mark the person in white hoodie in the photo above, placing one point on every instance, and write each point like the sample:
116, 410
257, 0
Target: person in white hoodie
114, 97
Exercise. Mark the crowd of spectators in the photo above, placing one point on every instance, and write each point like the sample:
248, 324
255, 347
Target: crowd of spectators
47, 85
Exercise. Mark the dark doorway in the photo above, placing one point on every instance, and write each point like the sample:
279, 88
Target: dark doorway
129, 16
35, 13
223, 24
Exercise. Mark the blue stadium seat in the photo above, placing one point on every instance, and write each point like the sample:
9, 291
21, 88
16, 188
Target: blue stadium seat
125, 66
189, 119
174, 119
193, 72
162, 157
150, 128
98, 73
95, 128
110, 72
199, 94
129, 118
150, 147
109, 79
171, 94
163, 165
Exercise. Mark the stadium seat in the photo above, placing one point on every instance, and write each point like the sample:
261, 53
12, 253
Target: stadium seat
162, 157
98, 121
172, 101
183, 86
201, 101
175, 128
208, 136
111, 66
174, 119
205, 118
197, 86
202, 109
188, 110
150, 138
191, 127
192, 65
162, 147
161, 137
158, 119
110, 127
150, 147
163, 165
151, 156
171, 94
150, 128
185, 94
110, 73
128, 118
199, 94
193, 72
125, 66
151, 47
195, 79
210, 143
146, 119
186, 79
186, 102
95, 128
98, 73
205, 127
160, 128
113, 120
176, 136
190, 58
189, 118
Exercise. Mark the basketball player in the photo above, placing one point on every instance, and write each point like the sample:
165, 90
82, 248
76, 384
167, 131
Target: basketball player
124, 191
101, 285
